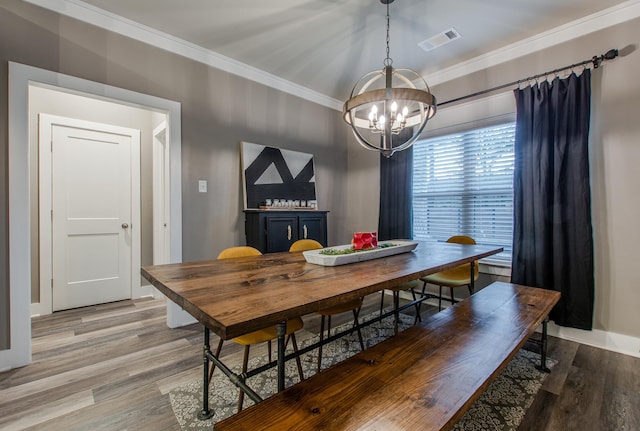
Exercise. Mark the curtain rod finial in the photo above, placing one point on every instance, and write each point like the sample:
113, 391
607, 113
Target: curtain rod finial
609, 55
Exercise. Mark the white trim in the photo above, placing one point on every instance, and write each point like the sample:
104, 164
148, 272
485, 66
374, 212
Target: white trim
161, 198
501, 269
136, 217
126, 27
44, 306
620, 343
144, 291
93, 15
20, 77
19, 353
572, 30
612, 341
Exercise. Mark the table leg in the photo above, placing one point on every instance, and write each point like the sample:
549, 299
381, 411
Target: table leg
473, 274
205, 413
281, 330
543, 347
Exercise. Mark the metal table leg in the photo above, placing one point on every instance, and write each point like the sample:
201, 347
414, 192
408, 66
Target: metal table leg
281, 330
205, 413
473, 277
543, 347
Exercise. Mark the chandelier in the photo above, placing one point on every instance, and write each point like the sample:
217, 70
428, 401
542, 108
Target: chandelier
386, 102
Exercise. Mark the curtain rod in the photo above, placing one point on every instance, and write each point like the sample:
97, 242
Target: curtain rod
596, 60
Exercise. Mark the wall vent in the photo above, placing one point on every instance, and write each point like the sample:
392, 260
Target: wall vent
440, 39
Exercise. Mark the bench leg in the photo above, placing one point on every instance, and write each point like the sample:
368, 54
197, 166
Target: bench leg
543, 348
205, 413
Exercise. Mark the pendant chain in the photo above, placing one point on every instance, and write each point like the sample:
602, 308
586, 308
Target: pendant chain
388, 61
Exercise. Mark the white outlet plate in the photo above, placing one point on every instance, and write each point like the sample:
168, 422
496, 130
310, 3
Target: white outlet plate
202, 186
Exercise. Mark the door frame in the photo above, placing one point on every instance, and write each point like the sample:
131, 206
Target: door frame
20, 78
161, 197
46, 122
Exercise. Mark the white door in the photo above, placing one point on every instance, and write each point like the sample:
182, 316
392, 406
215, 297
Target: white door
92, 212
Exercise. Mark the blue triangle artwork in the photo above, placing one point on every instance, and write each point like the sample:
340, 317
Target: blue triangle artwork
277, 175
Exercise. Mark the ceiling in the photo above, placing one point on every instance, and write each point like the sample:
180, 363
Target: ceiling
326, 45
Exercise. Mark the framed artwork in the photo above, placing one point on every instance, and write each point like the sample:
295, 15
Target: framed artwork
277, 178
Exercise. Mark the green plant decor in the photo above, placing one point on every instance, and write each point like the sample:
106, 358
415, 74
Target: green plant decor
351, 250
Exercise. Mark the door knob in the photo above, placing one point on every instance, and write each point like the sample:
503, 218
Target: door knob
125, 226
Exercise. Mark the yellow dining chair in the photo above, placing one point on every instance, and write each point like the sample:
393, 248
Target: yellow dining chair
353, 305
267, 334
455, 277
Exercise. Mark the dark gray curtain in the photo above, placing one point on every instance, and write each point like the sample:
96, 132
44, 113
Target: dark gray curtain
552, 238
396, 181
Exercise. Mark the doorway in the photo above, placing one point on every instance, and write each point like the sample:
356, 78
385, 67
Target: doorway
21, 79
48, 108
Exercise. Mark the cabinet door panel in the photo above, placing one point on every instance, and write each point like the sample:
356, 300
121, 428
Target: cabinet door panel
313, 227
281, 233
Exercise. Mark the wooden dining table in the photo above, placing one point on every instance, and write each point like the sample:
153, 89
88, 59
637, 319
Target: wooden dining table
233, 297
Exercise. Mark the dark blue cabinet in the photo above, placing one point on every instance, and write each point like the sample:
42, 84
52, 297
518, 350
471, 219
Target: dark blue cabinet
272, 231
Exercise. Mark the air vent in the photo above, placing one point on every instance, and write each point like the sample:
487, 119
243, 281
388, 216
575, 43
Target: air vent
440, 39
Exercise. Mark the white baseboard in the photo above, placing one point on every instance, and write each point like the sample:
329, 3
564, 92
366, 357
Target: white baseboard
612, 341
143, 292
606, 340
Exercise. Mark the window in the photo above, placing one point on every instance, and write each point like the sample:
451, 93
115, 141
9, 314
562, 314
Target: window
463, 185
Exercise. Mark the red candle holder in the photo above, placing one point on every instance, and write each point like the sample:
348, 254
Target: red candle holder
365, 240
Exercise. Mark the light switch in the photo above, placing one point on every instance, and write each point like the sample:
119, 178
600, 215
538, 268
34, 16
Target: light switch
202, 186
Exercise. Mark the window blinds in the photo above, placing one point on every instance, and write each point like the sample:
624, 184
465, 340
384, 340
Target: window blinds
463, 185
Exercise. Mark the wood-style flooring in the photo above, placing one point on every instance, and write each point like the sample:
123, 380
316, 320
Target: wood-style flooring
111, 367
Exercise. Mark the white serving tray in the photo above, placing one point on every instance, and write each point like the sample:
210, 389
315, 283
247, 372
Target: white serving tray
400, 246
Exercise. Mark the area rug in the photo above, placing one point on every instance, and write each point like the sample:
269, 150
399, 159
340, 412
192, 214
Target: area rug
501, 407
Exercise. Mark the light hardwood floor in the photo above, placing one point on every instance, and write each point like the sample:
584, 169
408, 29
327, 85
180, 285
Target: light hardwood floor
111, 367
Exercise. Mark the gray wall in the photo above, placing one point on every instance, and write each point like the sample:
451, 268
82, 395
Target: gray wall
218, 111
614, 158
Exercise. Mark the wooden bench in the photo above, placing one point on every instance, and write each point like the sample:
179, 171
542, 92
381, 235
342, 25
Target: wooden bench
426, 377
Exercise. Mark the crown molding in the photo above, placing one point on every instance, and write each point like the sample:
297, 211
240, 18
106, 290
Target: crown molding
90, 14
572, 30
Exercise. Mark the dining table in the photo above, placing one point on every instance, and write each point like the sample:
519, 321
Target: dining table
233, 297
